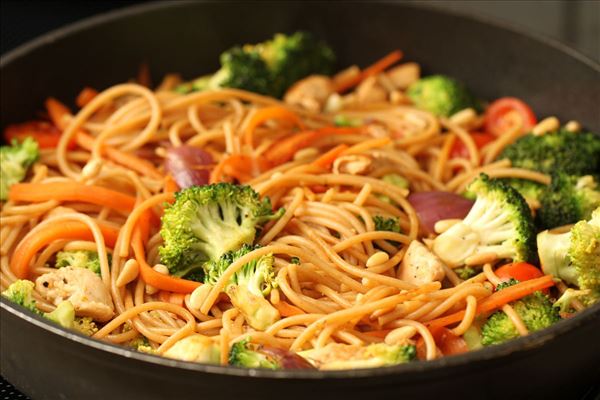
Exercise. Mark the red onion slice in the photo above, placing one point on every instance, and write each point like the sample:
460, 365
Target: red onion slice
286, 359
188, 165
435, 206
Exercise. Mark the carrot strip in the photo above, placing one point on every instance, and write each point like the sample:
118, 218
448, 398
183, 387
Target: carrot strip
268, 113
374, 69
26, 249
128, 160
288, 310
57, 112
498, 299
284, 150
170, 185
86, 95
71, 191
156, 279
239, 166
325, 160
381, 334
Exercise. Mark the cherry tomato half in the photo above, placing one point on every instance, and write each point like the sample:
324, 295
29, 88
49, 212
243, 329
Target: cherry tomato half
46, 134
503, 114
520, 271
459, 150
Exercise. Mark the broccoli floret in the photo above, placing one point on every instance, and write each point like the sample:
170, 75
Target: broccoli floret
396, 180
63, 315
270, 67
345, 356
293, 57
536, 312
21, 292
344, 121
248, 355
79, 259
295, 260
573, 256
441, 95
142, 344
568, 199
465, 273
505, 284
586, 297
205, 222
564, 151
389, 224
499, 222
14, 162
530, 190
248, 286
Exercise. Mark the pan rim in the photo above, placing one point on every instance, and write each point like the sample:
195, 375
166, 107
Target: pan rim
521, 345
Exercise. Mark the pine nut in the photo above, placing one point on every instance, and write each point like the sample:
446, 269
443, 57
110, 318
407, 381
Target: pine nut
129, 272
151, 290
482, 258
199, 295
573, 126
464, 118
444, 224
546, 125
377, 259
306, 153
92, 169
161, 269
400, 335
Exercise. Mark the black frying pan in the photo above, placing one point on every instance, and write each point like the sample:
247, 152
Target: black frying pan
47, 362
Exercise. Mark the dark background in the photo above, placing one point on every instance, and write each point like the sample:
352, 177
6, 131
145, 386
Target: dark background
574, 22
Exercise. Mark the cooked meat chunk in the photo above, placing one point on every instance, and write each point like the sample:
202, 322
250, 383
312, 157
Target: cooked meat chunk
80, 286
420, 265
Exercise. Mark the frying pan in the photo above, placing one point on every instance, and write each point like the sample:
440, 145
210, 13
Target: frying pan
47, 362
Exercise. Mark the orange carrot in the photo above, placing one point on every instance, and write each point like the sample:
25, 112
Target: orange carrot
268, 113
86, 95
239, 166
71, 191
57, 112
374, 69
170, 185
288, 310
284, 150
171, 297
381, 334
498, 299
128, 160
156, 279
26, 249
325, 160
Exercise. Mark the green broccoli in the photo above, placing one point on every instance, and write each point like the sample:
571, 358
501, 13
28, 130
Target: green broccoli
465, 273
573, 256
530, 190
559, 151
79, 259
568, 199
536, 312
248, 355
21, 292
206, 222
586, 297
248, 286
268, 68
142, 344
345, 356
344, 121
396, 180
389, 224
499, 222
64, 315
14, 162
293, 57
441, 95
